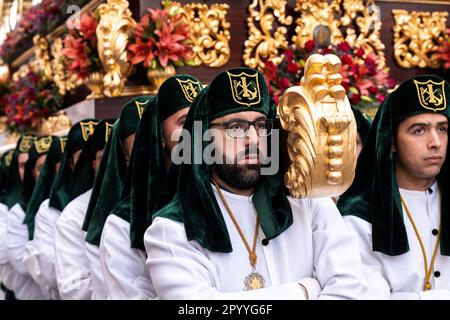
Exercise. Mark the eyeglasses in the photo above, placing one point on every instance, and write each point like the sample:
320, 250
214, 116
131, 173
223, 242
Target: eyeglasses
239, 128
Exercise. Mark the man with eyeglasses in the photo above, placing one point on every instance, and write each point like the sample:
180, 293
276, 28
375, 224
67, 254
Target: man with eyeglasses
230, 231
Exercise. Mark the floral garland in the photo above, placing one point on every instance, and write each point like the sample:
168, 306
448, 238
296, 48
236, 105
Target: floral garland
39, 19
32, 98
444, 51
365, 83
80, 47
159, 39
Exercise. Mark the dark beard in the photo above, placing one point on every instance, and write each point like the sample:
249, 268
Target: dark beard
239, 176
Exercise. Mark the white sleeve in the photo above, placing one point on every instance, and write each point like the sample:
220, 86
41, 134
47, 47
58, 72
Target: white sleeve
3, 253
376, 285
43, 253
16, 238
180, 269
337, 263
72, 268
123, 267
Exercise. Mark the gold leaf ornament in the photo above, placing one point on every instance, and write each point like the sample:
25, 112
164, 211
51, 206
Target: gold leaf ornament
113, 33
321, 131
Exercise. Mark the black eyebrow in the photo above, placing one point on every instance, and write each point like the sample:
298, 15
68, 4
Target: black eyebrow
237, 119
418, 124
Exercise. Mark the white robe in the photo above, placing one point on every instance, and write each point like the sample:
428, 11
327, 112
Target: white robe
404, 275
25, 288
99, 291
72, 269
126, 276
316, 249
40, 258
4, 263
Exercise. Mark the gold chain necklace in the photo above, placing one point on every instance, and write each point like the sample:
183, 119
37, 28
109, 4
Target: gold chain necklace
254, 280
428, 271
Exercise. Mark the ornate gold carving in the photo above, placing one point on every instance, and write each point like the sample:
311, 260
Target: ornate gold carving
355, 21
417, 36
321, 131
56, 123
95, 84
113, 32
263, 42
41, 52
158, 76
209, 31
63, 80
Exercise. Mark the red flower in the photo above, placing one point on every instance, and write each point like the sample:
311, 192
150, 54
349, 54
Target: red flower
391, 83
347, 59
160, 38
77, 59
380, 98
344, 46
292, 67
310, 45
360, 52
373, 89
270, 70
355, 99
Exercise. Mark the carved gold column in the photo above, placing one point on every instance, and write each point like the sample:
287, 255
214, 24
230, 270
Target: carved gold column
113, 32
321, 131
41, 52
264, 39
210, 31
417, 36
63, 80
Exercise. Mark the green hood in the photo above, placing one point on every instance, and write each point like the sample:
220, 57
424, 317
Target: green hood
41, 190
5, 164
84, 172
14, 187
142, 191
40, 147
110, 178
374, 195
363, 123
235, 90
62, 185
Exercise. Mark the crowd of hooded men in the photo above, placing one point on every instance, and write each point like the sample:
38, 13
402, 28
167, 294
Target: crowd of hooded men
103, 213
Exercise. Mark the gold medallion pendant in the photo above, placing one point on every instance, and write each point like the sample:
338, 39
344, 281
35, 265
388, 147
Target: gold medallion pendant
254, 281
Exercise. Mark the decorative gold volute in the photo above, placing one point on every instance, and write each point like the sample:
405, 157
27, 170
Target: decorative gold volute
209, 31
417, 36
321, 131
113, 32
264, 39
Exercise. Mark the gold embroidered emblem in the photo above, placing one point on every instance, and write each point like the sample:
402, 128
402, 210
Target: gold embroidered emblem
431, 94
108, 128
26, 143
140, 106
245, 88
8, 158
190, 88
62, 143
87, 128
43, 144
